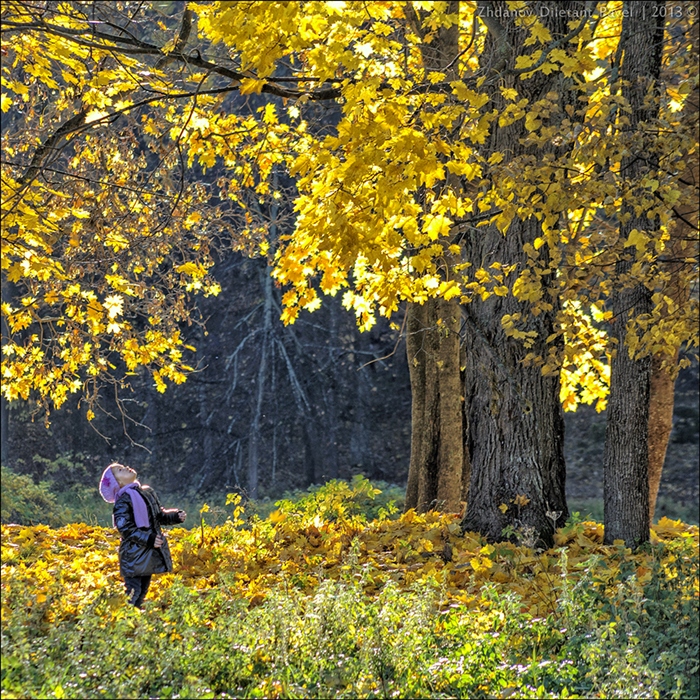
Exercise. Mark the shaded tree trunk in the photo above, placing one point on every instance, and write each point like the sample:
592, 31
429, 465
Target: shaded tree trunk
150, 420
331, 401
254, 437
515, 419
466, 458
205, 416
437, 442
626, 455
7, 294
433, 351
4, 432
360, 452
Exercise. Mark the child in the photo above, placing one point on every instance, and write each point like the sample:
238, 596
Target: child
138, 516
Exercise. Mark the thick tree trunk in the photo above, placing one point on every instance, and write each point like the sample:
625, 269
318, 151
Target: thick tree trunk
437, 442
516, 425
626, 456
515, 421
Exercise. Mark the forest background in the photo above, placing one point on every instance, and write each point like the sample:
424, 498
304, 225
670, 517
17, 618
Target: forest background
270, 406
191, 444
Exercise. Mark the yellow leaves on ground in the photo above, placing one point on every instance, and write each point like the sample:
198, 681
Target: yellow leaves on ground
252, 559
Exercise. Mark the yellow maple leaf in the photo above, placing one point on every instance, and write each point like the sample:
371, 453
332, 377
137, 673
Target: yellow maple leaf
638, 239
251, 85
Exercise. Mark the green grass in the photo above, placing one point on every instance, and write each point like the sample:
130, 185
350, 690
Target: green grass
592, 509
616, 624
340, 643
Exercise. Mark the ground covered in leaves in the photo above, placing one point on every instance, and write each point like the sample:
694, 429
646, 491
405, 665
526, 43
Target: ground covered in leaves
327, 597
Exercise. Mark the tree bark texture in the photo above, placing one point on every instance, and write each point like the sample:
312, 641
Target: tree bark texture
661, 399
435, 477
516, 426
626, 455
437, 437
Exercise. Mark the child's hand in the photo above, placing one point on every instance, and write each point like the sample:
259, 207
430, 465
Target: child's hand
182, 515
159, 541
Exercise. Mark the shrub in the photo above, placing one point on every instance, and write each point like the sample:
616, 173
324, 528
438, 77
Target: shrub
338, 500
27, 503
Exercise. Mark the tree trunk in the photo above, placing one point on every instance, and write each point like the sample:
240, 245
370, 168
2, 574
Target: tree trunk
437, 442
516, 424
661, 396
433, 351
626, 458
205, 416
515, 420
466, 458
331, 400
360, 448
6, 295
265, 346
682, 230
4, 432
626, 455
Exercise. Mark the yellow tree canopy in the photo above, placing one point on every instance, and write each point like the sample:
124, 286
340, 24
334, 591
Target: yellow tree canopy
135, 142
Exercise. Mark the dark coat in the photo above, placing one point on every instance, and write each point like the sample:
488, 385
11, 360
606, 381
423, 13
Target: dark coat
137, 555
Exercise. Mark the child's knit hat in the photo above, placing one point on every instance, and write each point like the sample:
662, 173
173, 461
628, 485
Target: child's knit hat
109, 485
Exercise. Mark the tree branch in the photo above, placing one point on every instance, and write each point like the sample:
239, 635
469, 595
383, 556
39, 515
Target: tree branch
67, 128
193, 58
181, 40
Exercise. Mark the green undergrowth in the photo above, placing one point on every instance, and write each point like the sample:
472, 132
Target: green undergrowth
258, 609
340, 643
28, 502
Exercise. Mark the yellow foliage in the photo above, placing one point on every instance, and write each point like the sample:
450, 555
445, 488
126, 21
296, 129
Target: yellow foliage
249, 561
379, 198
